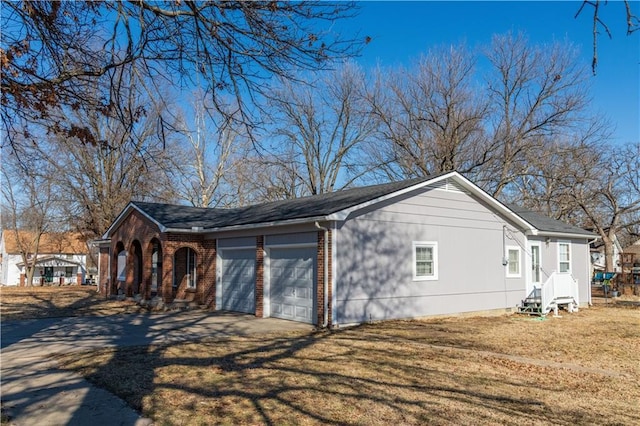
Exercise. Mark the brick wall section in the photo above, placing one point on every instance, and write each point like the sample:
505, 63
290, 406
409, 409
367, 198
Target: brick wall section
330, 254
171, 243
320, 278
79, 278
135, 227
179, 273
207, 289
104, 279
23, 280
259, 291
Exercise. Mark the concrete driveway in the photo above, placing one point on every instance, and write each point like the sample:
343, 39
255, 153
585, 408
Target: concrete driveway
35, 391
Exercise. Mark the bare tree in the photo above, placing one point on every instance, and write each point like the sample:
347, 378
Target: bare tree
30, 207
202, 158
98, 180
545, 183
593, 185
610, 194
431, 117
267, 177
632, 21
536, 93
50, 51
325, 125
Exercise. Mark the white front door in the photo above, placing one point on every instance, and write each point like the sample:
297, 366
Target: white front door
535, 271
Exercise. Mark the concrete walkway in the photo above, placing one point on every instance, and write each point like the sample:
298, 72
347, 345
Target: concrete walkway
35, 392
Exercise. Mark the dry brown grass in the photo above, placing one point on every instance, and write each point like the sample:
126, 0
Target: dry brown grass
18, 303
582, 368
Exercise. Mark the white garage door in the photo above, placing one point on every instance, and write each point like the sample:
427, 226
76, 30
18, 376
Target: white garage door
238, 280
292, 279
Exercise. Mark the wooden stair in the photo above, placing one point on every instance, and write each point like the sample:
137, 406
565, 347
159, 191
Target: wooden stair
531, 306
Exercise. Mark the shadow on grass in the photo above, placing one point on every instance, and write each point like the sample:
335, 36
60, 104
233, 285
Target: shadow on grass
35, 303
338, 377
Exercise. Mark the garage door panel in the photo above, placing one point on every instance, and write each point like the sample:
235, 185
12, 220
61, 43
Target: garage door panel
303, 293
303, 312
238, 280
292, 274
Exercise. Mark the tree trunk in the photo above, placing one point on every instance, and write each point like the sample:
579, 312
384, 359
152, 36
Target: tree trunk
608, 254
30, 270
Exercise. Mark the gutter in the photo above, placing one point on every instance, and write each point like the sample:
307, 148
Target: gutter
567, 235
201, 230
326, 274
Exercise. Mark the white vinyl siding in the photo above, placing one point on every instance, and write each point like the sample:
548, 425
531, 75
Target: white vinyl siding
425, 261
564, 257
513, 262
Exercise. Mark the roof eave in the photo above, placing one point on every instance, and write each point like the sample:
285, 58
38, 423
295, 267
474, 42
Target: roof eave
100, 242
125, 212
568, 235
40, 260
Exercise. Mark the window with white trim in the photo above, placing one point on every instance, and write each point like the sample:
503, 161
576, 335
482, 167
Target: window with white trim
425, 260
564, 257
513, 262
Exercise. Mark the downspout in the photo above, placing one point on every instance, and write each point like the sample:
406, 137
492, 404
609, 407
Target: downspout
107, 291
590, 274
99, 270
505, 262
325, 256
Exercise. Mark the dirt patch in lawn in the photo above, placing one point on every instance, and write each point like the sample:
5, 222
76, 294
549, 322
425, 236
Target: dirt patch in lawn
17, 303
582, 368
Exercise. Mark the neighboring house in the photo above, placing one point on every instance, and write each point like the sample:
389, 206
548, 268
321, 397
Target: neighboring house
61, 258
427, 246
598, 261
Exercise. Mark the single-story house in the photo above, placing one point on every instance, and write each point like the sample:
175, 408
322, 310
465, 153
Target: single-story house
61, 257
420, 247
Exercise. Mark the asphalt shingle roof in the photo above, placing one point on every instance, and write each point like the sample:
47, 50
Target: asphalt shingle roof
546, 224
184, 217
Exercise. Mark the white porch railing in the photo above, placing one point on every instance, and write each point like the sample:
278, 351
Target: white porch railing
55, 281
558, 287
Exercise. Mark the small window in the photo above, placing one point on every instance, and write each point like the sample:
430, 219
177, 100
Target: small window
425, 261
513, 262
564, 257
191, 269
122, 266
68, 271
69, 256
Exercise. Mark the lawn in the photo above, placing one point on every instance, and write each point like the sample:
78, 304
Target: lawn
18, 303
582, 368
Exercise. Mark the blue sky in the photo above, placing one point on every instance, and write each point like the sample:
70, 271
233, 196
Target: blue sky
401, 31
